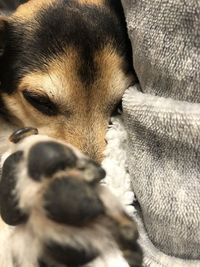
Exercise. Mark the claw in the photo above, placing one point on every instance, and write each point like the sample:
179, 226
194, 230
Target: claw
92, 171
20, 134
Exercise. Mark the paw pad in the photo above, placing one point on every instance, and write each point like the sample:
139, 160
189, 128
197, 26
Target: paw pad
72, 201
46, 158
9, 210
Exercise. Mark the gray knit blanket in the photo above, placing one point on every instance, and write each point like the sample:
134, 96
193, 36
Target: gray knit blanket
162, 119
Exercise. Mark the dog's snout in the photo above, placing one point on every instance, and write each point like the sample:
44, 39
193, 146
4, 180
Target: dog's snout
20, 134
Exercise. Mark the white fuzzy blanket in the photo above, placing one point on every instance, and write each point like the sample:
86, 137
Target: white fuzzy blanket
117, 179
115, 163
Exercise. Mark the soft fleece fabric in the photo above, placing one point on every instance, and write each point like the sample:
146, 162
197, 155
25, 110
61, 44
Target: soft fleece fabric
162, 120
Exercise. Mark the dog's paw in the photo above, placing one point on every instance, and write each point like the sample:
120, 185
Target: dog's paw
51, 193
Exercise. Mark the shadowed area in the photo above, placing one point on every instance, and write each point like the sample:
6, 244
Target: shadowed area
10, 5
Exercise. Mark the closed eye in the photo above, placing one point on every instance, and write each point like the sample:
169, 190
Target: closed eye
117, 109
41, 103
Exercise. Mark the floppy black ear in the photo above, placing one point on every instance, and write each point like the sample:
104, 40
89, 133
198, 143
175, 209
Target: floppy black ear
116, 6
3, 26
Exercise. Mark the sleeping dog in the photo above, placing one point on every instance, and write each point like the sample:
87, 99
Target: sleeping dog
64, 66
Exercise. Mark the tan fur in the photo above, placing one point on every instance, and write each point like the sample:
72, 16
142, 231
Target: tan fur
84, 111
29, 10
92, 2
2, 224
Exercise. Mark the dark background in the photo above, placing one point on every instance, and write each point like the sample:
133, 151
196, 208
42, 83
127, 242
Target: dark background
10, 5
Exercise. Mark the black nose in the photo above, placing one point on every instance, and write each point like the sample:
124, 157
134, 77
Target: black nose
20, 134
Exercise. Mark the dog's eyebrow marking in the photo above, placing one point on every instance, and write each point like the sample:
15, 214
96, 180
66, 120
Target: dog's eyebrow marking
29, 9
50, 77
92, 2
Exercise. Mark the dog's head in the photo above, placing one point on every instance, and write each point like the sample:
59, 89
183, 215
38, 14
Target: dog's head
64, 66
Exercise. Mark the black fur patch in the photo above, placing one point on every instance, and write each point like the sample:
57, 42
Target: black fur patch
4, 113
72, 201
87, 28
66, 254
43, 264
10, 5
9, 210
116, 6
46, 158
